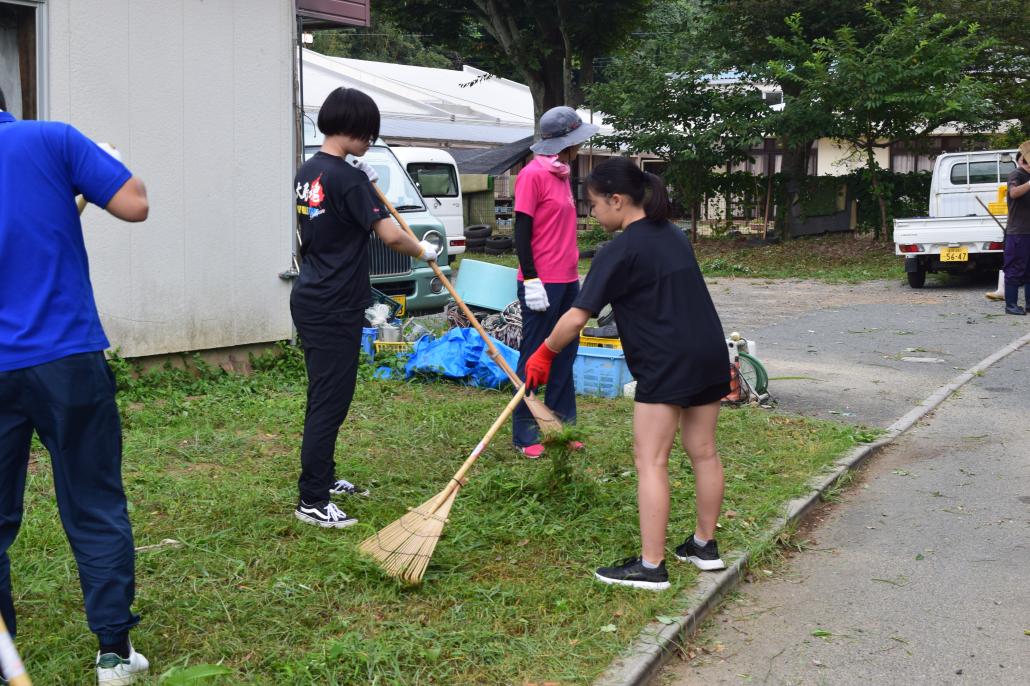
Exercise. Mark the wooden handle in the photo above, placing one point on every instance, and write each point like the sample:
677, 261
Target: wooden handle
457, 479
543, 415
10, 662
80, 202
494, 353
988, 210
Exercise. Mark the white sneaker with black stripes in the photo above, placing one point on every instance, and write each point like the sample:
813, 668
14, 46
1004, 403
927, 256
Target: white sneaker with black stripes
326, 515
344, 487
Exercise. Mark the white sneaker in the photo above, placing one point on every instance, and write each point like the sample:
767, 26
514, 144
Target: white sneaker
113, 670
327, 516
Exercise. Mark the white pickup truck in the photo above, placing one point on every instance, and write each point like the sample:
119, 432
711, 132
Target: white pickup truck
959, 235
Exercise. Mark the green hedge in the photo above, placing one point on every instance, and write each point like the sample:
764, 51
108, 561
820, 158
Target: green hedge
908, 194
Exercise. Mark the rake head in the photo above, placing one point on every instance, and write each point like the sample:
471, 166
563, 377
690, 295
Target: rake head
403, 548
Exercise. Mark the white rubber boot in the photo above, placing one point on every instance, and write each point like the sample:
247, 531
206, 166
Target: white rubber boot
1000, 293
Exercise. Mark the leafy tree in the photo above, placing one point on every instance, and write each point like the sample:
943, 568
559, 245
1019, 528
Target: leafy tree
1006, 64
910, 77
383, 41
551, 46
743, 32
681, 117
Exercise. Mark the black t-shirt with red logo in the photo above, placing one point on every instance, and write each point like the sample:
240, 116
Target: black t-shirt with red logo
670, 330
336, 209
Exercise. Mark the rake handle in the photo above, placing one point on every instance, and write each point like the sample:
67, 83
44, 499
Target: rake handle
10, 662
494, 353
456, 480
988, 210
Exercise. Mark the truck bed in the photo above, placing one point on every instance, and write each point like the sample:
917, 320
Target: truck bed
972, 232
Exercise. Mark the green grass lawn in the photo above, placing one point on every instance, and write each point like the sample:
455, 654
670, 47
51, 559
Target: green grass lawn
509, 596
832, 258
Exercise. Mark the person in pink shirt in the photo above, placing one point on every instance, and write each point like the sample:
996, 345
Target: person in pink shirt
545, 240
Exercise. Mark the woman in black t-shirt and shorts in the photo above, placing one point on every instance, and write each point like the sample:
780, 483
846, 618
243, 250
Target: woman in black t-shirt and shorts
675, 349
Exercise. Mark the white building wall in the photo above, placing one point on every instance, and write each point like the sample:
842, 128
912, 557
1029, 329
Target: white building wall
198, 97
835, 158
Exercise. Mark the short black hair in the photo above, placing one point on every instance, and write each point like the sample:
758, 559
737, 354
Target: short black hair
3, 102
349, 112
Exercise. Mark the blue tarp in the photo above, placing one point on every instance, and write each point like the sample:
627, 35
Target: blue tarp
460, 354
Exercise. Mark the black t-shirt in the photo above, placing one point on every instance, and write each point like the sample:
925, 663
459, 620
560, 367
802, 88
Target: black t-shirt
1019, 208
336, 209
671, 333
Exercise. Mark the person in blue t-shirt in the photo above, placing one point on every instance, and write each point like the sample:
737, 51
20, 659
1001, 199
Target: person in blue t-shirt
54, 379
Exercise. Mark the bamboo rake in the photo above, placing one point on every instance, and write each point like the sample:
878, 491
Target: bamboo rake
10, 663
404, 547
543, 415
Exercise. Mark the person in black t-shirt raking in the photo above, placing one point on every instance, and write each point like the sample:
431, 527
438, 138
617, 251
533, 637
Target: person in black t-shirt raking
338, 210
1017, 233
675, 348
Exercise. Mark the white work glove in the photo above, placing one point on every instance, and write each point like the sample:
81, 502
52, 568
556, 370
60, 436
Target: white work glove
428, 252
367, 169
536, 295
110, 150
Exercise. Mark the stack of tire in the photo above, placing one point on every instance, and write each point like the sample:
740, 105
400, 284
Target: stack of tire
478, 239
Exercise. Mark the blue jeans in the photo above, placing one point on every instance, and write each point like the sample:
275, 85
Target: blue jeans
560, 393
70, 404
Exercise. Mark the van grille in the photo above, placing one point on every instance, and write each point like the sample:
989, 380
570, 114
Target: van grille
385, 262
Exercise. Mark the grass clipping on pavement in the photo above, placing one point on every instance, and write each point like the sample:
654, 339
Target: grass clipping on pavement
211, 460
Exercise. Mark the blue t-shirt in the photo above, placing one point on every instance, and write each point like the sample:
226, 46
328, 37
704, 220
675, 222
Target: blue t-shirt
47, 310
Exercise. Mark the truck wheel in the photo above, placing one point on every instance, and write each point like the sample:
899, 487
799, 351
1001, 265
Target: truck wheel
916, 279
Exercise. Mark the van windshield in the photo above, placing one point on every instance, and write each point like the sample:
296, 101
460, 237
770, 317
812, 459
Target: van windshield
393, 181
434, 179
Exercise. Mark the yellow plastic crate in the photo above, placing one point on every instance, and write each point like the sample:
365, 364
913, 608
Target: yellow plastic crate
393, 347
999, 207
594, 342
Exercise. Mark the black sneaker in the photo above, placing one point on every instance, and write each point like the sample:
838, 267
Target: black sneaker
344, 487
632, 572
706, 558
326, 515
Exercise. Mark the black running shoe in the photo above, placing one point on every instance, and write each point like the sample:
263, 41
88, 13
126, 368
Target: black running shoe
632, 572
706, 558
344, 487
325, 515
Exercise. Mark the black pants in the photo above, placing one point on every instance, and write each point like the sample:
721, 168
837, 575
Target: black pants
331, 343
70, 404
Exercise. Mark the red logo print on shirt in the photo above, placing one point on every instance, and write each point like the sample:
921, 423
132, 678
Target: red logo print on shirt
316, 194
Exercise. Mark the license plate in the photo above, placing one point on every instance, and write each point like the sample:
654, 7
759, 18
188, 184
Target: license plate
402, 300
954, 254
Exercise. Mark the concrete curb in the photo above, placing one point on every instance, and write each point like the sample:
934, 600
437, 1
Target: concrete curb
658, 642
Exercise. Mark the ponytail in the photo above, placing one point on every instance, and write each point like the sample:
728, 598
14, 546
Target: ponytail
620, 175
657, 206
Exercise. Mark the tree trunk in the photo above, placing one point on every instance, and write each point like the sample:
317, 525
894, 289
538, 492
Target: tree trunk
870, 150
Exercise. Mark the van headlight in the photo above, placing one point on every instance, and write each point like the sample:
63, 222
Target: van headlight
436, 240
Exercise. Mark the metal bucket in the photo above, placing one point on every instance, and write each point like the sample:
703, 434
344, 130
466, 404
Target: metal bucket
389, 333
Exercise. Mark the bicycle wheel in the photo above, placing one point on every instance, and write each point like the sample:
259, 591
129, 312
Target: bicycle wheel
752, 370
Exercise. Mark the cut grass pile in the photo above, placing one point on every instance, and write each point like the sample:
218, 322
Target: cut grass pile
831, 258
509, 597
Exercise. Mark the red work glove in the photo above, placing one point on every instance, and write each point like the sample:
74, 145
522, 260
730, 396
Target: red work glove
538, 366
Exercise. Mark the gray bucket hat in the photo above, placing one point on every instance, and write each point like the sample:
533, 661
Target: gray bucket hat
560, 128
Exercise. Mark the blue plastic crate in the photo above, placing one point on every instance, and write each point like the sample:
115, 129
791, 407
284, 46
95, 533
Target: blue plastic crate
368, 340
600, 371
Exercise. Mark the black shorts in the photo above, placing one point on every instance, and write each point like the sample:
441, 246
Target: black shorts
705, 396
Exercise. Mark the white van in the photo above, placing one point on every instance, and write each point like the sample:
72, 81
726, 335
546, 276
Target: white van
958, 235
435, 173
